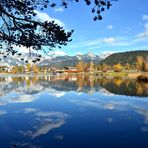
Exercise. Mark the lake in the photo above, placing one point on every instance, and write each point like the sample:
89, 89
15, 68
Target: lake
73, 111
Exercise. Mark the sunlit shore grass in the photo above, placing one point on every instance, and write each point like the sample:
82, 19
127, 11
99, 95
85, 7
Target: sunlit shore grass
113, 74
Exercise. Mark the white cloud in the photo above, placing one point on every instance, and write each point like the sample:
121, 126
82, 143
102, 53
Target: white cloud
144, 34
22, 49
109, 40
110, 27
93, 47
42, 16
59, 53
78, 53
60, 9
145, 17
86, 43
105, 54
101, 43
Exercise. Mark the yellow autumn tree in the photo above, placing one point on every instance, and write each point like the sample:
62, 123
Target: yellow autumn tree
104, 67
86, 67
28, 67
118, 67
91, 69
35, 68
139, 63
14, 69
20, 69
127, 66
145, 64
80, 66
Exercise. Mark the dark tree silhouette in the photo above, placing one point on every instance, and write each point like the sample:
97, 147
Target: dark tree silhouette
18, 26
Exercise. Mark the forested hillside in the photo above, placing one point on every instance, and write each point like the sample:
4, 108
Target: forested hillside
123, 58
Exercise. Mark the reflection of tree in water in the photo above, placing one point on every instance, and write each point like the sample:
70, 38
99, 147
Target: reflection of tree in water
80, 83
124, 86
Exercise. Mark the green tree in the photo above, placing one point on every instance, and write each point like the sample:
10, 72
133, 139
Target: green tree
28, 67
20, 69
19, 27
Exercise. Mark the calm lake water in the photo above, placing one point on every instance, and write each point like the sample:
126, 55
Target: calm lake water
73, 112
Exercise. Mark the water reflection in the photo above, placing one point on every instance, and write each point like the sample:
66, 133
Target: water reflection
59, 85
46, 122
73, 111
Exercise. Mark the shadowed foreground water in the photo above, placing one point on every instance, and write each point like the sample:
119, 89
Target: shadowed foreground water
73, 112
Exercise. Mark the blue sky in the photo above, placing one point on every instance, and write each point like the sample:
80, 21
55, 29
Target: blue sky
124, 27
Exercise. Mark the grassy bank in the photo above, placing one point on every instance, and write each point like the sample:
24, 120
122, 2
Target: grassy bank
112, 74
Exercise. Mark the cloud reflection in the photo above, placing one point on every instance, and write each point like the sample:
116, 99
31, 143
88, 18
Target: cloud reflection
2, 112
47, 121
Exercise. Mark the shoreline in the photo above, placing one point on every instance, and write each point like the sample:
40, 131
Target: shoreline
114, 74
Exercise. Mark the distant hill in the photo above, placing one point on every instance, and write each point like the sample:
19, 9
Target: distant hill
70, 61
58, 62
124, 57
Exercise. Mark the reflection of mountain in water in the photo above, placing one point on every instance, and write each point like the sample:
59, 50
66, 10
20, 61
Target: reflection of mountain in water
58, 85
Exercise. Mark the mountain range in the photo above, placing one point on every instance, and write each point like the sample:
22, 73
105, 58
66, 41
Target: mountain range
58, 62
71, 61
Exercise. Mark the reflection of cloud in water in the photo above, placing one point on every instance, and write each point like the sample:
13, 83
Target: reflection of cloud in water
105, 92
121, 104
109, 120
29, 110
24, 144
144, 129
46, 127
47, 122
94, 102
51, 114
144, 113
21, 98
109, 106
2, 112
55, 92
116, 104
59, 137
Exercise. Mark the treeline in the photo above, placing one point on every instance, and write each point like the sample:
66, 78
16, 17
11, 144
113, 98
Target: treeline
140, 64
29, 68
132, 60
129, 57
